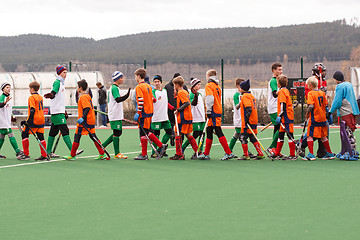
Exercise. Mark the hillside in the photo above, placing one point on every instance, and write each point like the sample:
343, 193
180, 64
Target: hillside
333, 40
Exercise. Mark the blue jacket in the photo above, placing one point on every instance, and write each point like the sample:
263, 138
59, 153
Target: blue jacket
345, 91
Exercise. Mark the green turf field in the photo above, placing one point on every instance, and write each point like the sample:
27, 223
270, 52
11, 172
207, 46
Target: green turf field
163, 199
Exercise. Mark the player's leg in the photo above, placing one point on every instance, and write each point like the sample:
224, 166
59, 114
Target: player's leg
273, 144
280, 142
143, 141
40, 135
54, 130
222, 139
65, 134
97, 143
234, 138
257, 146
25, 144
243, 139
13, 143
310, 143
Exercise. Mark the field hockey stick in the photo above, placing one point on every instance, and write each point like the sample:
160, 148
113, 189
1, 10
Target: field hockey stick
158, 156
287, 132
177, 131
267, 125
97, 141
101, 112
201, 142
41, 145
301, 138
248, 125
56, 143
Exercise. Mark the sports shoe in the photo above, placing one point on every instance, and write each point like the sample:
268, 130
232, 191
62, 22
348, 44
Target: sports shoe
243, 157
270, 150
120, 156
53, 155
165, 154
258, 157
100, 157
292, 158
193, 156
227, 157
252, 155
163, 150
302, 152
153, 155
18, 154
2, 156
309, 157
177, 157
204, 157
274, 157
70, 158
328, 156
41, 158
78, 152
141, 157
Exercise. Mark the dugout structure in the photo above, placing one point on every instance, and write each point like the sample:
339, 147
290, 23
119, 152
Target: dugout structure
20, 88
355, 80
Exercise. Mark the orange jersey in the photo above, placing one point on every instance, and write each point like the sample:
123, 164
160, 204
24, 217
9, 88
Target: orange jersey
213, 89
284, 97
248, 100
36, 101
184, 116
144, 99
318, 99
85, 101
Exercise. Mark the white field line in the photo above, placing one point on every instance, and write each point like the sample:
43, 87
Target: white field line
149, 151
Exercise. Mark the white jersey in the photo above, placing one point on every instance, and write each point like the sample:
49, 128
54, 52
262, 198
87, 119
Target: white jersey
160, 106
115, 109
57, 104
237, 114
5, 113
198, 111
272, 102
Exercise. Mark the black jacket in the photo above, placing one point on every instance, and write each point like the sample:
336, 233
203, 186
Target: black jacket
102, 95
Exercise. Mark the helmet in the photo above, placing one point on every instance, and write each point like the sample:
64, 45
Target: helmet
318, 69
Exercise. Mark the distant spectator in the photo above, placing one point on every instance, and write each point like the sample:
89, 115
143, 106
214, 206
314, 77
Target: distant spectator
102, 102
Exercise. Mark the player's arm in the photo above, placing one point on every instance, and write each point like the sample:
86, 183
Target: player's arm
194, 97
85, 113
274, 88
236, 99
55, 89
117, 96
337, 102
182, 107
209, 101
247, 109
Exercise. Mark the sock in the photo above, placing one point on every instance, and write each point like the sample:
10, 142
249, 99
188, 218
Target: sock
178, 146
2, 140
327, 146
292, 148
232, 143
311, 146
193, 143
258, 149
108, 141
225, 145
99, 148
165, 138
50, 144
25, 144
116, 143
143, 141
245, 149
208, 146
74, 147
155, 140
43, 153
67, 141
14, 144
275, 139
279, 147
185, 144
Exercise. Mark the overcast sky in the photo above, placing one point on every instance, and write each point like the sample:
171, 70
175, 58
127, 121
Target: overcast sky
102, 19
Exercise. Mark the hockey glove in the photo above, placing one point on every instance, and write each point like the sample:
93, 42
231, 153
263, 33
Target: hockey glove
278, 120
80, 120
136, 117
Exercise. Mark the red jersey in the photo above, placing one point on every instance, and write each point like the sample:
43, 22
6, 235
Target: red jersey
321, 83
